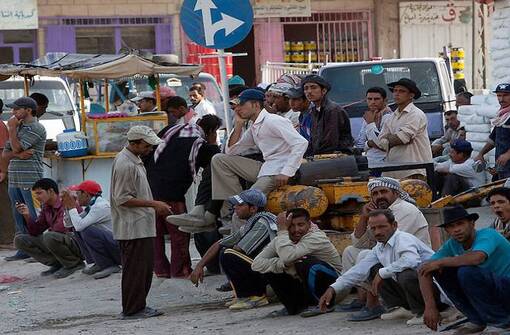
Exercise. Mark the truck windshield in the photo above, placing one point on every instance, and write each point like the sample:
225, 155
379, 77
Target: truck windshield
59, 101
350, 82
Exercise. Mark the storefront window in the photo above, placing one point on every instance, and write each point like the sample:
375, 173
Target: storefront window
138, 37
6, 55
26, 55
95, 40
18, 36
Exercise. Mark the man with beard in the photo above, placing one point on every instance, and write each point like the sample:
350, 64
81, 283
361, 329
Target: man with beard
473, 269
500, 135
299, 264
391, 269
452, 133
499, 199
385, 193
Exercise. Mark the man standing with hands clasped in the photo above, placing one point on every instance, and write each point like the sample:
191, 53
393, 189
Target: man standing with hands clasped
134, 221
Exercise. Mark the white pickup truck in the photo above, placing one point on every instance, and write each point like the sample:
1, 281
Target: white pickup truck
59, 96
350, 81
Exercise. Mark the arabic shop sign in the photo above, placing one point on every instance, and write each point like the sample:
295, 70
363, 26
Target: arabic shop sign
436, 12
281, 8
18, 14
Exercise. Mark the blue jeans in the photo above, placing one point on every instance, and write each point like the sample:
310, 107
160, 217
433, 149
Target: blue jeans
21, 195
98, 246
482, 296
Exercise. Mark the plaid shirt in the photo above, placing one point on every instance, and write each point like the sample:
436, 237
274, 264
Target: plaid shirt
23, 173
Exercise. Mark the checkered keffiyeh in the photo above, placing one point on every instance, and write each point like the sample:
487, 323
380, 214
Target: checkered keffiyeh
390, 183
184, 130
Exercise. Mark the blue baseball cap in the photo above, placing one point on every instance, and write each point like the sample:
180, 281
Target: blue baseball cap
24, 102
502, 88
462, 146
251, 197
251, 94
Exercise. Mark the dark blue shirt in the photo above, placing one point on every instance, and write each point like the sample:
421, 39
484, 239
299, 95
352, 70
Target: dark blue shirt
501, 138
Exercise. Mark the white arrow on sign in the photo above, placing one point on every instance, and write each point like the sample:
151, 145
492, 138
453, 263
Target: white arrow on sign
227, 22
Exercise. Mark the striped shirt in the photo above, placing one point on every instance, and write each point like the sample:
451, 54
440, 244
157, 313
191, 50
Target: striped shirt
23, 173
253, 236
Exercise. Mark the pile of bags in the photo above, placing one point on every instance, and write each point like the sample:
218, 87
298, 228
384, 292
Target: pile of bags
477, 122
500, 44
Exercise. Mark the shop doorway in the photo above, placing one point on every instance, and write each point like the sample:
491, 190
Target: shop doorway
244, 66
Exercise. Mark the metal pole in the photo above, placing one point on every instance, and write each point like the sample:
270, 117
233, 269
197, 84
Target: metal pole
82, 107
224, 86
106, 96
26, 87
473, 47
158, 93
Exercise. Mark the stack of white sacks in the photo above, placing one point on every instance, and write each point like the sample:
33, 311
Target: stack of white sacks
477, 120
500, 43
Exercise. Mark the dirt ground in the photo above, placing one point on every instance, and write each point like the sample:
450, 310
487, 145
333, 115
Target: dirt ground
81, 305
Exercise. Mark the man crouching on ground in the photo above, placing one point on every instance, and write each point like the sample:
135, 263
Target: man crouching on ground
238, 250
299, 264
48, 241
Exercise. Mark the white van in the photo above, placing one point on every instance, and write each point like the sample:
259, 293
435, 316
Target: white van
59, 96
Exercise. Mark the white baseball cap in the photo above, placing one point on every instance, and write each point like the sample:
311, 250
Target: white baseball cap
143, 133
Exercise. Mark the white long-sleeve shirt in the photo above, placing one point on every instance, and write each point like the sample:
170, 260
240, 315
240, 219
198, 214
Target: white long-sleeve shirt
370, 132
281, 145
402, 251
99, 213
204, 107
464, 170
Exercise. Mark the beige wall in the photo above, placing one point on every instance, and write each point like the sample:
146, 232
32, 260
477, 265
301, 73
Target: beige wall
106, 7
387, 34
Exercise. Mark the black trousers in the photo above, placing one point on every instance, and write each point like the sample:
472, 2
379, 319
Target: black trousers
245, 281
137, 257
404, 292
451, 184
296, 294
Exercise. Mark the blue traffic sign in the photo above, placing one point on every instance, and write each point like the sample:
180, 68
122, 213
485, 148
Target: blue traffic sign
216, 24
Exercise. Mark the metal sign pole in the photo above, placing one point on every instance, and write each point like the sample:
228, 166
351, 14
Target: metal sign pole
224, 88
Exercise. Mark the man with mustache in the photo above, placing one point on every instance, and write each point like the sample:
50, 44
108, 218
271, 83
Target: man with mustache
391, 269
473, 269
385, 193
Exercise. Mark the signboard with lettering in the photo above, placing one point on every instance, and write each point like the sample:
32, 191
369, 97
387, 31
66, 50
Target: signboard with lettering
18, 14
436, 12
281, 8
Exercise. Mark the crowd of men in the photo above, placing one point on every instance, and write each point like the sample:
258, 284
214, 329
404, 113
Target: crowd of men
397, 268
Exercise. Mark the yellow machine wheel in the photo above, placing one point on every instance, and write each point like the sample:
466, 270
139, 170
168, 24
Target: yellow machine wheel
419, 191
311, 198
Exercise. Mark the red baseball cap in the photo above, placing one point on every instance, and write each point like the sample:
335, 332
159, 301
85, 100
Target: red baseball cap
89, 186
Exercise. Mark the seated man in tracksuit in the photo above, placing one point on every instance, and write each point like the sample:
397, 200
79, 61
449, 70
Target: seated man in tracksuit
48, 241
238, 250
299, 263
93, 229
